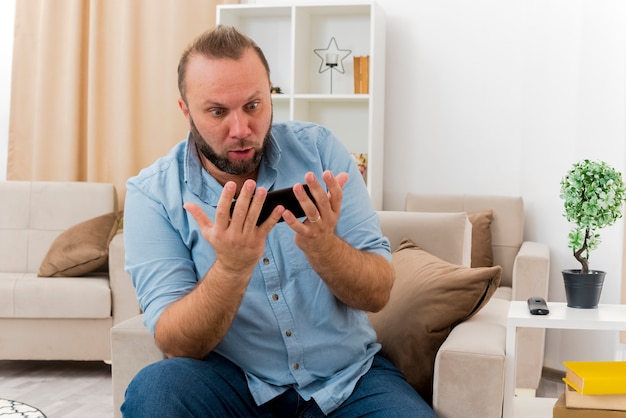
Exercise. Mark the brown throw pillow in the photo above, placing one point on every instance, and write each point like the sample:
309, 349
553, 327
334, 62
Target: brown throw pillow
429, 298
482, 250
82, 248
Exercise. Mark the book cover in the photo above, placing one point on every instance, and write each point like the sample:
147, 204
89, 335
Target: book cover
361, 74
573, 399
596, 377
357, 75
560, 410
365, 74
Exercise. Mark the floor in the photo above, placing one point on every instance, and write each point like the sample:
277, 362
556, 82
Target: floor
62, 389
551, 384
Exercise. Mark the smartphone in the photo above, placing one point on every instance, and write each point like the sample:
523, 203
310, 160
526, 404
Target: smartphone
285, 197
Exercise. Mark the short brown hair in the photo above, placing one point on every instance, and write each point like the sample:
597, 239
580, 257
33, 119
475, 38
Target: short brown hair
221, 42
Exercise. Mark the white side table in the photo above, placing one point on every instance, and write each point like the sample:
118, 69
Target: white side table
605, 317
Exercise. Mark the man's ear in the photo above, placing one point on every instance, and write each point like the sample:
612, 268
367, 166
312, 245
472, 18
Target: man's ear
184, 108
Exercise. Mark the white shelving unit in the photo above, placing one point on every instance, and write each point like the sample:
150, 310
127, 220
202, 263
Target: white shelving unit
289, 35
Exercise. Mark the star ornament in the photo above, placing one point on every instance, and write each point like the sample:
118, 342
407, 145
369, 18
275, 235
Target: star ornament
330, 53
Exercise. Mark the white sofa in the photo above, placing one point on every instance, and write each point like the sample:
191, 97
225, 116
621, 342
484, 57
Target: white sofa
469, 367
54, 318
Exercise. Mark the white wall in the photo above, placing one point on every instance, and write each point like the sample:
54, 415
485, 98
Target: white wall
494, 97
501, 97
7, 15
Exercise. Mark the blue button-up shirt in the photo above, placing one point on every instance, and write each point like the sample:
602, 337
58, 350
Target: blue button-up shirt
290, 330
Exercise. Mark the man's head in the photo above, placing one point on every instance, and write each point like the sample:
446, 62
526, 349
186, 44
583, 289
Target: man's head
223, 78
221, 42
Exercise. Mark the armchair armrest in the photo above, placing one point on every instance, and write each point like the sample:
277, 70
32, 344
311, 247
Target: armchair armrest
470, 365
132, 348
531, 274
124, 300
531, 271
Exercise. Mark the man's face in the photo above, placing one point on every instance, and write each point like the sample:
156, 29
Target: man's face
229, 110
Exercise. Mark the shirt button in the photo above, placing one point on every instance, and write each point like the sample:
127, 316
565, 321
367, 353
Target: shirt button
266, 261
275, 296
288, 333
296, 366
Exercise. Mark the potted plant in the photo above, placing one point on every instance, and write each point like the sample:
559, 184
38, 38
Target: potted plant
594, 194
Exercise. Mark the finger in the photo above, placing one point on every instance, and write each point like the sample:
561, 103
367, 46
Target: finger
254, 210
335, 187
198, 214
222, 212
342, 178
310, 207
273, 219
315, 187
242, 205
293, 222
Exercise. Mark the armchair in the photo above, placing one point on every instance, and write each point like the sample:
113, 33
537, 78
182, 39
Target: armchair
469, 367
525, 271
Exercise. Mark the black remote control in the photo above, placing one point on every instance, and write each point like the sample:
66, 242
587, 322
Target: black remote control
537, 306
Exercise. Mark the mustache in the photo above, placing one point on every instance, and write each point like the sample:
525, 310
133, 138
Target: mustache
242, 145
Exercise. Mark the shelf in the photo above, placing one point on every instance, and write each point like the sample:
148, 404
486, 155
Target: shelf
289, 35
323, 97
333, 97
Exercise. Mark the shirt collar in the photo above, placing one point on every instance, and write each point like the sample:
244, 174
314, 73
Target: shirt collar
203, 185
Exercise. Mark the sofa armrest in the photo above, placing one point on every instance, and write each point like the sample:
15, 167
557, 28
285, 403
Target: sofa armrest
531, 275
132, 348
124, 300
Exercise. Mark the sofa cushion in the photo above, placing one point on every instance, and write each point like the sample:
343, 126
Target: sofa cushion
81, 249
429, 297
24, 295
482, 250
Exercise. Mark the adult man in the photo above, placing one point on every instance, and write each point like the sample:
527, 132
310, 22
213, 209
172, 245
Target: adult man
261, 320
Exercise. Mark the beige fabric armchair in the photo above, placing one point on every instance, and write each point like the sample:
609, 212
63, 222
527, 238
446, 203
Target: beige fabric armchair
525, 273
469, 369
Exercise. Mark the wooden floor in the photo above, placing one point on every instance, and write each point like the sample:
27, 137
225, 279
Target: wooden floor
62, 389
59, 389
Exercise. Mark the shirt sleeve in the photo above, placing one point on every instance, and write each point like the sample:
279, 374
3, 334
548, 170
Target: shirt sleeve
157, 258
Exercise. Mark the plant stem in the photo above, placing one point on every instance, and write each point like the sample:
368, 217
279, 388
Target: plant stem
579, 254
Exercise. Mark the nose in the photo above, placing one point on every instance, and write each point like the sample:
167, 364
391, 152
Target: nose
239, 124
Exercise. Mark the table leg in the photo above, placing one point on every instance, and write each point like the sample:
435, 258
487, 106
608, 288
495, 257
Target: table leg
509, 370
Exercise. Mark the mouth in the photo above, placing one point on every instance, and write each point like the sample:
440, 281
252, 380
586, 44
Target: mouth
242, 154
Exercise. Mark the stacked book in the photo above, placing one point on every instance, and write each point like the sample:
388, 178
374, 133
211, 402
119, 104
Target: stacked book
361, 74
593, 389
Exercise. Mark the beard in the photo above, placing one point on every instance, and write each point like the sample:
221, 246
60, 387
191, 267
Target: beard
237, 167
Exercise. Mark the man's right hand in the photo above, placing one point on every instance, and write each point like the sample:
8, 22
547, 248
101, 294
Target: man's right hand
238, 242
193, 325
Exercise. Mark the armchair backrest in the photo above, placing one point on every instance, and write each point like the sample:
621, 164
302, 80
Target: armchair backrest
445, 235
507, 228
